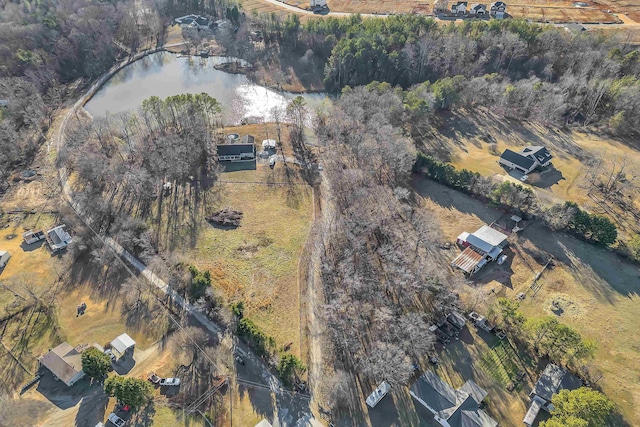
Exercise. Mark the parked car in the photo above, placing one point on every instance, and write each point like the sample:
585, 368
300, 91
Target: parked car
502, 259
116, 420
153, 378
110, 354
239, 359
122, 407
169, 381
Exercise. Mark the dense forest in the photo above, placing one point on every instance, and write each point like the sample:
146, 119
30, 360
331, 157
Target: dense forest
382, 288
515, 68
49, 48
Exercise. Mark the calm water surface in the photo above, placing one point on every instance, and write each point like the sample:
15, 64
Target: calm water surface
163, 74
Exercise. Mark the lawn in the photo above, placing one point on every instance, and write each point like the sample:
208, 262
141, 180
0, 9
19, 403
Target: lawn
475, 146
596, 290
257, 263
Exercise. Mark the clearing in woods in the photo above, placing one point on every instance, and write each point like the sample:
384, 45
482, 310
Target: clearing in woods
476, 141
257, 263
596, 289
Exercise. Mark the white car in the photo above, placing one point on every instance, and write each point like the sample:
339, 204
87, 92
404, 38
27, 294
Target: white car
110, 354
169, 381
116, 420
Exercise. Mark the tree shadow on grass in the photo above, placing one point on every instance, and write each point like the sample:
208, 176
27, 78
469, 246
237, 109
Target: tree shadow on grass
452, 199
92, 408
600, 271
261, 400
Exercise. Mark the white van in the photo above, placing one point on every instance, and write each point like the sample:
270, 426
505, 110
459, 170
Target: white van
4, 258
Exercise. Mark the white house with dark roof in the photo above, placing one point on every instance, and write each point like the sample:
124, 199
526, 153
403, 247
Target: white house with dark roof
527, 160
459, 8
498, 9
478, 9
451, 407
553, 379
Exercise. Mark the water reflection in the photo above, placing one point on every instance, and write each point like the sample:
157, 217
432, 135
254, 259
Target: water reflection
163, 74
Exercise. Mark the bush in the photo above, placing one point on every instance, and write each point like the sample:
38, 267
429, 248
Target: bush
129, 391
261, 342
95, 363
289, 367
200, 281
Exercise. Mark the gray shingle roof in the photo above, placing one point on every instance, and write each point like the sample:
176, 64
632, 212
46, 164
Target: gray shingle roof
554, 379
518, 159
459, 408
234, 149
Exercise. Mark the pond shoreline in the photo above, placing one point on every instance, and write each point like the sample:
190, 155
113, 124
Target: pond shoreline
230, 80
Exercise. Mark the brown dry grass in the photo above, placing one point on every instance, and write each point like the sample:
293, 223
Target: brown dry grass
572, 153
597, 288
258, 262
559, 13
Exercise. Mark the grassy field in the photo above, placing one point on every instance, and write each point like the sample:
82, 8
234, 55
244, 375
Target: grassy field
258, 262
477, 147
596, 290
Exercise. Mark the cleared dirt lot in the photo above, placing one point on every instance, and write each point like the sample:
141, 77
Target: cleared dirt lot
597, 290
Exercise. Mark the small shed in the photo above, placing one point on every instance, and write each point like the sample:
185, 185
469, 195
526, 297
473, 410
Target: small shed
4, 258
122, 344
462, 239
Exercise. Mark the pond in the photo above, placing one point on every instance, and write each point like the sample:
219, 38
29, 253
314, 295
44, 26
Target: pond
164, 74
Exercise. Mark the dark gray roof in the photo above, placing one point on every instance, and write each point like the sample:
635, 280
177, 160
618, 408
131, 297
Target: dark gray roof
459, 408
248, 139
202, 21
234, 149
518, 159
435, 392
468, 415
553, 379
477, 392
540, 153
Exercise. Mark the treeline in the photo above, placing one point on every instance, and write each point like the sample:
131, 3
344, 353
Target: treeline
382, 285
121, 162
516, 68
567, 216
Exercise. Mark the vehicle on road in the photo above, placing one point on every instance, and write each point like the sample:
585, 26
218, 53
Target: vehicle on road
116, 420
169, 381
